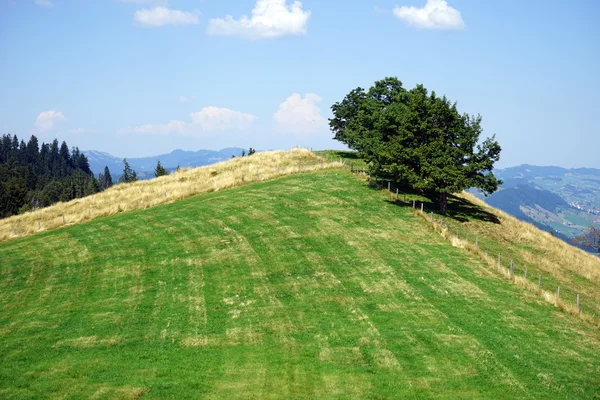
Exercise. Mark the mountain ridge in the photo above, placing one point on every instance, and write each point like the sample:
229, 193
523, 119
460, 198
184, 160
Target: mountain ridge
178, 157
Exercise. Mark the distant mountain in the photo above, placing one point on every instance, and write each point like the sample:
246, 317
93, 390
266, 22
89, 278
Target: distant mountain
564, 201
145, 165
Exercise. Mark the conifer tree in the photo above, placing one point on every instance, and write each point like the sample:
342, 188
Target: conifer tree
105, 179
160, 170
129, 175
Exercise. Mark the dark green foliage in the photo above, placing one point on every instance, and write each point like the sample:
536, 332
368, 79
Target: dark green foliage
129, 175
93, 186
159, 170
34, 175
105, 179
416, 139
251, 151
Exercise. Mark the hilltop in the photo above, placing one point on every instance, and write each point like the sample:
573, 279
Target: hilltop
310, 284
178, 185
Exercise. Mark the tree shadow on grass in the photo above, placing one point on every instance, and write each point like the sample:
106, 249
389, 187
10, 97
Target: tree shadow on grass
458, 209
463, 210
350, 155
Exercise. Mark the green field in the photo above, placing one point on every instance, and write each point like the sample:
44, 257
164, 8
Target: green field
309, 286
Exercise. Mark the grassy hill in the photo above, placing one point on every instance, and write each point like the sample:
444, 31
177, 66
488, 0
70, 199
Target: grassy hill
308, 285
167, 189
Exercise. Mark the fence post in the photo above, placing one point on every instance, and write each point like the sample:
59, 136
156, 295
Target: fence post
558, 292
512, 268
39, 225
321, 166
525, 275
476, 242
539, 282
63, 216
498, 262
14, 232
421, 206
396, 193
414, 204
90, 211
578, 305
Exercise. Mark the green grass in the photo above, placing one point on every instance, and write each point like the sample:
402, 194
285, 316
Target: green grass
350, 157
308, 286
468, 221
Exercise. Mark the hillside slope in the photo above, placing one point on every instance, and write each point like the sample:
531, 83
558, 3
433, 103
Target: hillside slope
176, 186
311, 285
541, 262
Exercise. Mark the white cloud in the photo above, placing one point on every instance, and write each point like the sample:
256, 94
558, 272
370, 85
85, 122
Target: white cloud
436, 14
214, 119
270, 19
185, 99
44, 3
207, 120
301, 115
45, 120
160, 16
173, 126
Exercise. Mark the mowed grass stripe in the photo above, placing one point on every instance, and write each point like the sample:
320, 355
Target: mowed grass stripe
312, 285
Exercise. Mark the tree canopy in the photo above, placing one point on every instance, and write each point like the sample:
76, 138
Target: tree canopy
416, 138
34, 175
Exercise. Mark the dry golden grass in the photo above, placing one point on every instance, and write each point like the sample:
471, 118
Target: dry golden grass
556, 255
167, 189
575, 269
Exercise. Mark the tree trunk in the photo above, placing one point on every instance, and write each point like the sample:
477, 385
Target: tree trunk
443, 203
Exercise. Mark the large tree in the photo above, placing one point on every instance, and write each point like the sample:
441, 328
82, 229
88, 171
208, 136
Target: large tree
416, 138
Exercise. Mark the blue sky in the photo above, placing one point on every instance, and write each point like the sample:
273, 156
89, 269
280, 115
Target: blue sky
144, 77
